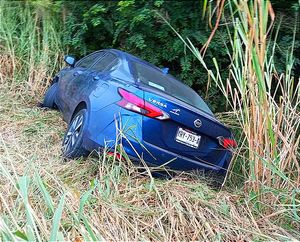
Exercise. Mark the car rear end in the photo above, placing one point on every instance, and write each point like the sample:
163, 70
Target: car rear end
178, 128
191, 135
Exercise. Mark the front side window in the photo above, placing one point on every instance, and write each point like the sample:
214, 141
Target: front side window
89, 60
107, 62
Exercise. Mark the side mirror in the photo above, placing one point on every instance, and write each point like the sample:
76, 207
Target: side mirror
70, 60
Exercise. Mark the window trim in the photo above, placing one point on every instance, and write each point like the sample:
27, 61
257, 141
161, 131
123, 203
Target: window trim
106, 68
82, 59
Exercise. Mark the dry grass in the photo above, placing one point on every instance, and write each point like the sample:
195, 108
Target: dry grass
266, 106
43, 197
100, 193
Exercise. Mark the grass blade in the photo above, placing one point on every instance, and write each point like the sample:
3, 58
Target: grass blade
56, 219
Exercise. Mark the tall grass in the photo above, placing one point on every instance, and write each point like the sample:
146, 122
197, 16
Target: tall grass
266, 105
30, 44
45, 198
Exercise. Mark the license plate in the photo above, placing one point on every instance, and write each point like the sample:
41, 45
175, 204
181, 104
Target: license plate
187, 138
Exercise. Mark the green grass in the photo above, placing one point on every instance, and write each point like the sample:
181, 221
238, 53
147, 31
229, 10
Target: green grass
44, 197
265, 106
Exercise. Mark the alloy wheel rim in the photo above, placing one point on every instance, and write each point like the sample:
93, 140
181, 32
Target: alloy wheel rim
73, 133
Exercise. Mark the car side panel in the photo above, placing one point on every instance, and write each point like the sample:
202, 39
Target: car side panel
105, 115
70, 82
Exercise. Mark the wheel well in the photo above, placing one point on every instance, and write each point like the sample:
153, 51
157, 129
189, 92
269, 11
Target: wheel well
80, 106
54, 80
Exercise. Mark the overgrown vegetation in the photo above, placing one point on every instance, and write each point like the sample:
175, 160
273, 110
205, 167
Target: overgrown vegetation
267, 107
135, 26
45, 198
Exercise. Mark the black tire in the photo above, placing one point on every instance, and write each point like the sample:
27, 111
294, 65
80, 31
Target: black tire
73, 139
49, 99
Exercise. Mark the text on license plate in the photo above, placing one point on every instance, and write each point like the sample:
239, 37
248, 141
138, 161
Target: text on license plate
187, 138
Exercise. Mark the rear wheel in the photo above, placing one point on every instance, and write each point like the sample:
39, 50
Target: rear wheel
73, 140
49, 99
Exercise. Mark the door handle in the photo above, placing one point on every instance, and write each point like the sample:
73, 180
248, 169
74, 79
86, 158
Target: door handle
77, 73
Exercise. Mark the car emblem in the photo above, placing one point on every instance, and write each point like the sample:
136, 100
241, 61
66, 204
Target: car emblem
175, 111
197, 123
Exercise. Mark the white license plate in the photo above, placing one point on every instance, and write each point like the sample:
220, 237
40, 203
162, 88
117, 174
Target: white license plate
187, 138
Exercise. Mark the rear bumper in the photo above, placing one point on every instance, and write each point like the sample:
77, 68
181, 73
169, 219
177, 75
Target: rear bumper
156, 156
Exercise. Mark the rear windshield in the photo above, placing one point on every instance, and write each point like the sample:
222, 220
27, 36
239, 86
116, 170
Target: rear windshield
169, 85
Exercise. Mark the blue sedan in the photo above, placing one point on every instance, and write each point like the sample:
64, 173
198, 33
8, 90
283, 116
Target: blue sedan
111, 97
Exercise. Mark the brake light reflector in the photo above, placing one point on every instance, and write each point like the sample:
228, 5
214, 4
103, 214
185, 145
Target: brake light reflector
117, 155
136, 104
227, 143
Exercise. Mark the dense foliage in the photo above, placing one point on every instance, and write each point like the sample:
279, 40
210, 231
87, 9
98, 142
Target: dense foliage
105, 198
137, 26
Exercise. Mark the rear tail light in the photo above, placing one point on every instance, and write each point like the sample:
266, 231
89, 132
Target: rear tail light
136, 104
117, 155
227, 143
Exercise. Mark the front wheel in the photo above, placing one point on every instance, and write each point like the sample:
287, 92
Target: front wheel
73, 140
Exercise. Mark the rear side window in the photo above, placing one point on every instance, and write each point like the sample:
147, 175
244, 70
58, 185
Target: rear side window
168, 84
89, 60
107, 62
